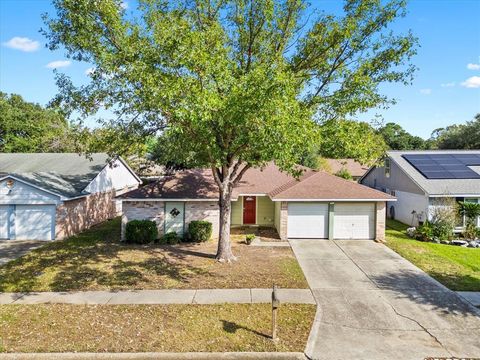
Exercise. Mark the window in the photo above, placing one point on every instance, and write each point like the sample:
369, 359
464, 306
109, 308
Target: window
387, 167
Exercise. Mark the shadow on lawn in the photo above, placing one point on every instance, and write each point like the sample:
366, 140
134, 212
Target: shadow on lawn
93, 258
232, 328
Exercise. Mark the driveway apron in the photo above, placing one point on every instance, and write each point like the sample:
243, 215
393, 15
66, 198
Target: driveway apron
12, 249
373, 304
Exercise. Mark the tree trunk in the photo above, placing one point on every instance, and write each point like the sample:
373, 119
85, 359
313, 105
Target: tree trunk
224, 251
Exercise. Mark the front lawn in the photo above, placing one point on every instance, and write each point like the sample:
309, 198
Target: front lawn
97, 260
157, 328
456, 267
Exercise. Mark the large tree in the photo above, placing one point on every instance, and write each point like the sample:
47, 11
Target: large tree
234, 84
30, 127
398, 138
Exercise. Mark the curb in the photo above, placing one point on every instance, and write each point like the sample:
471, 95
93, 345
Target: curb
156, 355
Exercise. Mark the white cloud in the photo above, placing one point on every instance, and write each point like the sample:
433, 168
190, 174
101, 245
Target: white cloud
473, 66
472, 82
89, 71
449, 84
58, 64
22, 44
124, 5
425, 91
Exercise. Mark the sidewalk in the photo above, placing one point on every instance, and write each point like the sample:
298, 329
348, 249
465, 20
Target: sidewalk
201, 296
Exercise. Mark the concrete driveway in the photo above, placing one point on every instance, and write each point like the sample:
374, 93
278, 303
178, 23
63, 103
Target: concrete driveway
12, 249
373, 304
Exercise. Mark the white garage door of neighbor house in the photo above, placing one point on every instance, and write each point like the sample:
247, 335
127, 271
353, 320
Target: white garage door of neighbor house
307, 220
4, 211
354, 221
174, 217
34, 222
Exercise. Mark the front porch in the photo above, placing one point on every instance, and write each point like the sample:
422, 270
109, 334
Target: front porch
257, 214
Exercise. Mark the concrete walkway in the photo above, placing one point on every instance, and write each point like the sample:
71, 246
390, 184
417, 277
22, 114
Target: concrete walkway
373, 304
472, 297
202, 296
12, 249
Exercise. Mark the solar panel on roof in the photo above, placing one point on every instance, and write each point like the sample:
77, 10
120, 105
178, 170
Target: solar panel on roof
445, 166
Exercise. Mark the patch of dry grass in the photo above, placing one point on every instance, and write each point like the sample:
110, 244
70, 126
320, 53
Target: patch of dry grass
97, 260
142, 328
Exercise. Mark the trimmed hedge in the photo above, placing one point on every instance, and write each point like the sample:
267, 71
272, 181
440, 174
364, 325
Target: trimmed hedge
170, 238
199, 231
141, 232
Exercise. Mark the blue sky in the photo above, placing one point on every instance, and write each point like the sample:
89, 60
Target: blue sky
446, 89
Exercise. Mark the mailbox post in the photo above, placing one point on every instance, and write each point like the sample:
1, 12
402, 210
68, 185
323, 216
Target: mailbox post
275, 305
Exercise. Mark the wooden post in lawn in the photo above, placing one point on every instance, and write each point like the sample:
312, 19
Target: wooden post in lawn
275, 305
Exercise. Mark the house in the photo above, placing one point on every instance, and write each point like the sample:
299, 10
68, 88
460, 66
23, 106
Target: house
317, 205
52, 196
422, 180
353, 167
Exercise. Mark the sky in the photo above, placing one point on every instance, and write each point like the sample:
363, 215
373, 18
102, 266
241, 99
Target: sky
446, 89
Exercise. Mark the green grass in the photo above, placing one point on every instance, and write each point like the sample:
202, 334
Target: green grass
157, 328
456, 267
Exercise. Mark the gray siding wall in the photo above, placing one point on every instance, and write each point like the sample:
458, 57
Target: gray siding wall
398, 180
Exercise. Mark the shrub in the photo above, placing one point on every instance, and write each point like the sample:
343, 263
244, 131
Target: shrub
249, 238
424, 232
141, 232
471, 211
170, 238
199, 231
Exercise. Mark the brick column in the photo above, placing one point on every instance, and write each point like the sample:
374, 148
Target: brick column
283, 220
380, 221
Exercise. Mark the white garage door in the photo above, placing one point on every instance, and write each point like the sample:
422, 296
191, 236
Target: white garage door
4, 211
354, 221
34, 222
307, 220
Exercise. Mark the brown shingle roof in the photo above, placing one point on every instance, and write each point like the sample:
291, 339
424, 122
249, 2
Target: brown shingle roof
321, 185
199, 184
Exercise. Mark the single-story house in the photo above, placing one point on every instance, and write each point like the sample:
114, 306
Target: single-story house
352, 166
317, 205
52, 196
421, 180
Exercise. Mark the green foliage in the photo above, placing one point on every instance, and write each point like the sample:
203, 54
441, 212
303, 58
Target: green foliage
424, 232
199, 231
350, 139
29, 127
170, 238
471, 211
465, 136
141, 232
249, 238
231, 84
397, 138
343, 173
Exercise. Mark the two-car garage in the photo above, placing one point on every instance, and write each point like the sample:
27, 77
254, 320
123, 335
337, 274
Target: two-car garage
339, 220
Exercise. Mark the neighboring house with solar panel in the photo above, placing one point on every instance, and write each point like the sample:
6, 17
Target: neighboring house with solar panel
421, 179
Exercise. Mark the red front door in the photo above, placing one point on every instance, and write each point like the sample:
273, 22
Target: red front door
249, 209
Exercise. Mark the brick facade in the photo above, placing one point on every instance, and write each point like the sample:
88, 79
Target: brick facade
77, 215
380, 221
203, 210
155, 211
143, 210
